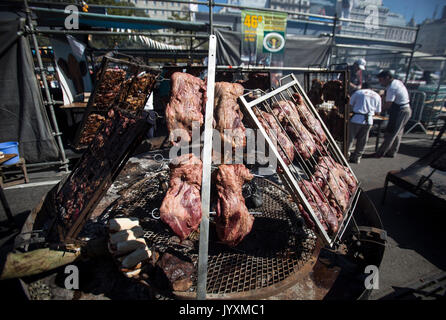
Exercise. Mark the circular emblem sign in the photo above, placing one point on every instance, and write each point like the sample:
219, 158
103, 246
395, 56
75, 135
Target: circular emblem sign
273, 42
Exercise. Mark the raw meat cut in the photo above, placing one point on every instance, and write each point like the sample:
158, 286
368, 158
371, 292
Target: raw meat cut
277, 135
186, 105
325, 214
335, 181
286, 113
181, 207
342, 171
309, 120
233, 220
228, 115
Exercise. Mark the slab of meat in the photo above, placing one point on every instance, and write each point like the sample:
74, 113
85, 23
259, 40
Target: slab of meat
186, 105
233, 219
309, 120
287, 114
91, 127
342, 171
228, 115
315, 93
324, 212
174, 273
276, 134
181, 207
330, 177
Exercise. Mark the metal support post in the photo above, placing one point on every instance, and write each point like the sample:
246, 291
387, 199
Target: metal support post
206, 179
57, 133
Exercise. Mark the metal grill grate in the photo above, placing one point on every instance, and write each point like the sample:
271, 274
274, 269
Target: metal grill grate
325, 154
277, 247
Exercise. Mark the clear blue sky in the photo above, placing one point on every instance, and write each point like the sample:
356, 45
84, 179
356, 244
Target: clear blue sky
419, 9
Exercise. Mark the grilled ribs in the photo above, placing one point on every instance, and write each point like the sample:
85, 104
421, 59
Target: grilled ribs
181, 207
186, 105
277, 135
228, 115
336, 182
326, 214
287, 114
233, 220
309, 120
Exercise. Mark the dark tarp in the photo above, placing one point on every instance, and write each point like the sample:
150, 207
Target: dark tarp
22, 114
300, 51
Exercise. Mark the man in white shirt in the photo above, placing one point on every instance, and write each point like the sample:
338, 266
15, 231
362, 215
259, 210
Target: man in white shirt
364, 103
397, 102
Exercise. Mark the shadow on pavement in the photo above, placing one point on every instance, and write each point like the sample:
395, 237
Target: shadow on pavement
412, 223
415, 150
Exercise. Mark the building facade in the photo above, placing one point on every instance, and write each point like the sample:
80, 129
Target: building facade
162, 9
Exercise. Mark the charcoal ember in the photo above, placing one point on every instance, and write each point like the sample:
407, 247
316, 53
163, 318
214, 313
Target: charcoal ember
94, 121
109, 88
174, 273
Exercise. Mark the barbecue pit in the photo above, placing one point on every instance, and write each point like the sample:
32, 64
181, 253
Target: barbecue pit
280, 252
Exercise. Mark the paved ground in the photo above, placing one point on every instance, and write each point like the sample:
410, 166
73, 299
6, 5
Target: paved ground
415, 244
415, 248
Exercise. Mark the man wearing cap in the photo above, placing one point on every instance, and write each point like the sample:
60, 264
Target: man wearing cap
356, 75
364, 103
396, 100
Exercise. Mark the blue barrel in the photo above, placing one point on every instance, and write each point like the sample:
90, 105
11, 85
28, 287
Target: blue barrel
8, 148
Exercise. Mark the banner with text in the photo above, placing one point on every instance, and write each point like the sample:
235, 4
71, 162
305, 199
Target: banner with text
264, 36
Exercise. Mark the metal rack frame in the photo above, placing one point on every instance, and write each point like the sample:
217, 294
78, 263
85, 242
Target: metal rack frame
129, 75
345, 76
288, 177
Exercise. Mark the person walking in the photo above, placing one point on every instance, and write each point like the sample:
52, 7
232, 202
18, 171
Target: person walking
397, 102
364, 103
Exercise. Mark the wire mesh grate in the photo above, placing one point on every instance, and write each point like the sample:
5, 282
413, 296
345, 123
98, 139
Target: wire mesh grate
278, 245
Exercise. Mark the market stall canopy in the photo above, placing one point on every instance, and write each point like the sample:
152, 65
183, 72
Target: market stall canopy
56, 17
